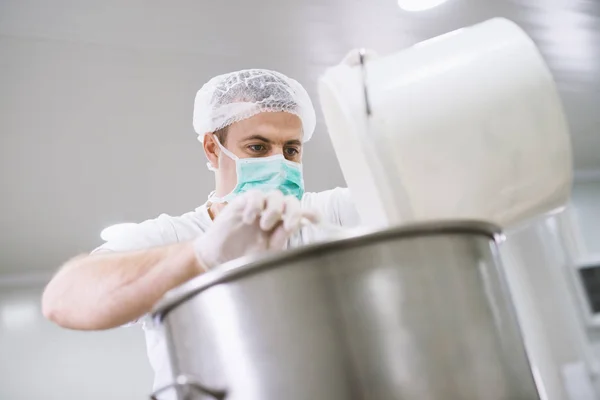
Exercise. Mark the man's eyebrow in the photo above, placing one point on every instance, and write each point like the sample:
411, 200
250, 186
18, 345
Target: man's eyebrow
294, 142
257, 137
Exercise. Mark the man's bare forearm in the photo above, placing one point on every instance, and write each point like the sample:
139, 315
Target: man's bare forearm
106, 290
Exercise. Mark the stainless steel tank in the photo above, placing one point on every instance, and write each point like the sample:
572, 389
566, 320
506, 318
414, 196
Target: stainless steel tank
413, 313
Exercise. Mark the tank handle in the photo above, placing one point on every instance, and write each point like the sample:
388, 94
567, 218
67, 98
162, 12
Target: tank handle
190, 382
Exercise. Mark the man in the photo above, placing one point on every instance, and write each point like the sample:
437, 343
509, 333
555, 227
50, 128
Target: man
252, 124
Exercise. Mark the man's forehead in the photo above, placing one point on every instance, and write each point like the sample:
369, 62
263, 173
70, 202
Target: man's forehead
269, 127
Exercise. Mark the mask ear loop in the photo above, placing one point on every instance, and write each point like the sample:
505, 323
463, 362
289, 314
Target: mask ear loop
224, 150
211, 197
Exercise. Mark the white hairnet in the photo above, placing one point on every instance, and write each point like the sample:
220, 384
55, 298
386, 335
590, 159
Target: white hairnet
232, 97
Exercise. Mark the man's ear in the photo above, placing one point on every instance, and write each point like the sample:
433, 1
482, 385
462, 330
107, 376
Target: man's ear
211, 150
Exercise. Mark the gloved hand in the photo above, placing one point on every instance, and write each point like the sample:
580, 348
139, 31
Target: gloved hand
253, 223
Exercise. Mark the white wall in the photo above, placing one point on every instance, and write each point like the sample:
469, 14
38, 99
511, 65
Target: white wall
39, 361
539, 260
586, 198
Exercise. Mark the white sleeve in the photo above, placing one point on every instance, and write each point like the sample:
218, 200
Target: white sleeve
335, 206
145, 235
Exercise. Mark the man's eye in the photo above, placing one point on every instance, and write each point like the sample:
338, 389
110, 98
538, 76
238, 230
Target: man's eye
291, 151
257, 148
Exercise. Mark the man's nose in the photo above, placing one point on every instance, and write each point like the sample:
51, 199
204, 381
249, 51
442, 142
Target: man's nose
276, 150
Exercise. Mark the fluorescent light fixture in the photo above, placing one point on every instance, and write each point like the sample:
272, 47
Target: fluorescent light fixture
419, 5
115, 231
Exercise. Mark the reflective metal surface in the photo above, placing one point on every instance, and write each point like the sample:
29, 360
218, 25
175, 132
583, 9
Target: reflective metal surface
410, 313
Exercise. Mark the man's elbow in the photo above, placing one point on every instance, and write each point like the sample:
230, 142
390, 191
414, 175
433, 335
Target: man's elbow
57, 307
69, 316
53, 309
50, 310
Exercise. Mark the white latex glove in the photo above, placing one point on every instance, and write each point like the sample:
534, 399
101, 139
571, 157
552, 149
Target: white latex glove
253, 223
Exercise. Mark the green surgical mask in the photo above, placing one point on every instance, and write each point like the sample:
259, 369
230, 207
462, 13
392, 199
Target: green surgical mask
264, 174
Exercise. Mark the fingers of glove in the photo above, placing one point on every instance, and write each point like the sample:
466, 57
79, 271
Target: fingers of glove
312, 216
273, 211
254, 205
204, 259
278, 238
292, 214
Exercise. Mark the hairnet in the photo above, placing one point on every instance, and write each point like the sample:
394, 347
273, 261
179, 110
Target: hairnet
232, 97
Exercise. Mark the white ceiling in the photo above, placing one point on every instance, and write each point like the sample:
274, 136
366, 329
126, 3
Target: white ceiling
96, 96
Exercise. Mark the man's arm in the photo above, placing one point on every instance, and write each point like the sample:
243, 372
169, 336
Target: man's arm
346, 209
106, 290
335, 206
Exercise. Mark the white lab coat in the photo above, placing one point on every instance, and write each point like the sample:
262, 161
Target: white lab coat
334, 206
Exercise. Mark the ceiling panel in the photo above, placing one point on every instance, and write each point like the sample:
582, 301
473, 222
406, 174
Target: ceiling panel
96, 97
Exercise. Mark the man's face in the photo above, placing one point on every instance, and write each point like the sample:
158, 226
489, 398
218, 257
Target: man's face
263, 135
